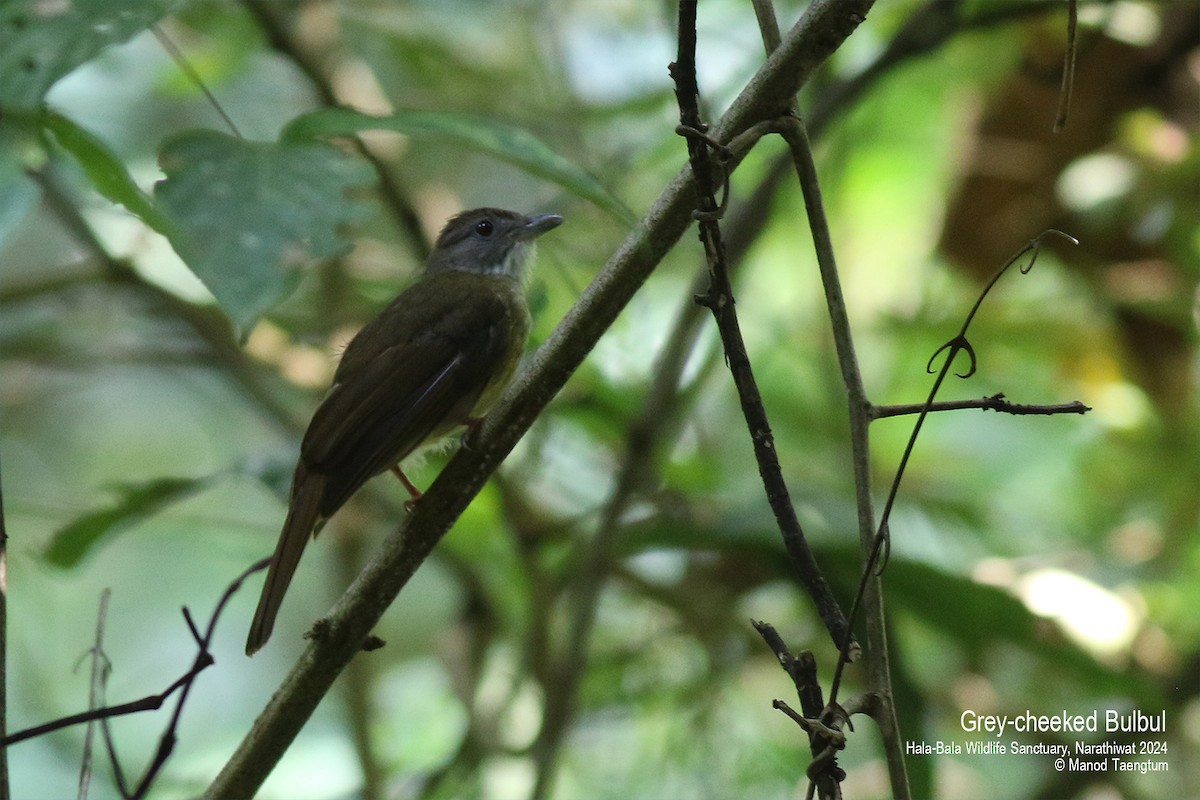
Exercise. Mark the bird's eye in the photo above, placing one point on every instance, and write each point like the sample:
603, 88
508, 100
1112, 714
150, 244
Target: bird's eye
484, 227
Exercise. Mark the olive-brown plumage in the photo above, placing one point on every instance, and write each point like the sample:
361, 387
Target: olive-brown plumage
435, 359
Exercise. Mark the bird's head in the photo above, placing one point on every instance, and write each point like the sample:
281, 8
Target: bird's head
489, 241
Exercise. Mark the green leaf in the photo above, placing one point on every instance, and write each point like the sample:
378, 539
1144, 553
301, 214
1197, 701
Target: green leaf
506, 142
17, 192
247, 216
106, 172
42, 41
136, 502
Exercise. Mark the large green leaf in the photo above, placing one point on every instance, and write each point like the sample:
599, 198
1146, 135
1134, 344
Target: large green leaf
107, 173
515, 145
246, 216
135, 503
42, 41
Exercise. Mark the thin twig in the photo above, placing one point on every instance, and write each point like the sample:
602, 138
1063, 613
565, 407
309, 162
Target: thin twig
996, 402
101, 668
1068, 76
148, 703
185, 66
182, 686
202, 661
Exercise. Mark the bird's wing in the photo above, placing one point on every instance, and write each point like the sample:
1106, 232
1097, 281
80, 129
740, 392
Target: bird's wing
390, 401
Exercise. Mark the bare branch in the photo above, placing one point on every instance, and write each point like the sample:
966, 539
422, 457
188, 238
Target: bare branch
996, 402
1068, 76
183, 686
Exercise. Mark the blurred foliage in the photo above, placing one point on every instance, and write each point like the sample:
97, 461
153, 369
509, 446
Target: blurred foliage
248, 215
1038, 563
43, 42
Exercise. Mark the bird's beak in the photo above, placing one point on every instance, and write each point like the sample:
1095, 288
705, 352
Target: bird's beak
538, 224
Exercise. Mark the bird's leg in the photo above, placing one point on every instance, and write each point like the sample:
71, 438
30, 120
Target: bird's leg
467, 442
412, 489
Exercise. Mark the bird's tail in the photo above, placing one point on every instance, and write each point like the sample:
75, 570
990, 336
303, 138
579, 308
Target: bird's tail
303, 517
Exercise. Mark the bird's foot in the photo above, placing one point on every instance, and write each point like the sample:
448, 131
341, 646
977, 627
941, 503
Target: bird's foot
416, 493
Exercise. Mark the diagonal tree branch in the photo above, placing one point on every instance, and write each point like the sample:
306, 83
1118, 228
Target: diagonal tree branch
710, 173
822, 28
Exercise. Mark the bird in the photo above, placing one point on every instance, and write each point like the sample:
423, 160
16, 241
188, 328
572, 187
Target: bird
437, 358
